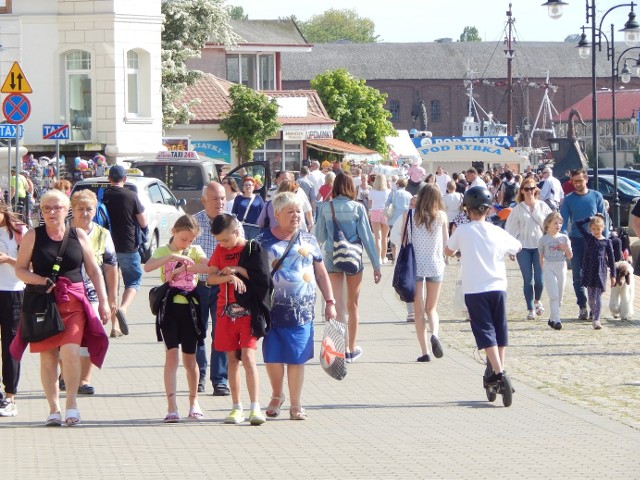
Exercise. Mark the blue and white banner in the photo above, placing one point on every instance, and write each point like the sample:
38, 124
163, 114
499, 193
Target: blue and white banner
504, 142
219, 149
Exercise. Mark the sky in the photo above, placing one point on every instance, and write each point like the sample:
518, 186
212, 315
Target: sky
402, 21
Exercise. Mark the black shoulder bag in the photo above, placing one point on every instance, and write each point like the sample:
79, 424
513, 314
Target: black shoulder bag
40, 316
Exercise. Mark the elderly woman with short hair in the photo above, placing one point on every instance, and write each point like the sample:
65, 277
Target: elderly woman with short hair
38, 251
289, 342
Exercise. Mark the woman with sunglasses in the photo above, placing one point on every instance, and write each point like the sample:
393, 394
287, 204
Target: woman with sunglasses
247, 208
525, 222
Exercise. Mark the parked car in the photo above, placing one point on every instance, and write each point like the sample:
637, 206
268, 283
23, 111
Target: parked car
622, 172
628, 196
160, 205
185, 173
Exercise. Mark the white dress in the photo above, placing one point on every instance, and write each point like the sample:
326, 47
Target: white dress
429, 249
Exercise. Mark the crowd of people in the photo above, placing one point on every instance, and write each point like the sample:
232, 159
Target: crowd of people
253, 269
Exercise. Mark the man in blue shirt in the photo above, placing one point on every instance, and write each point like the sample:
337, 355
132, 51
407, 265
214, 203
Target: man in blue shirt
579, 204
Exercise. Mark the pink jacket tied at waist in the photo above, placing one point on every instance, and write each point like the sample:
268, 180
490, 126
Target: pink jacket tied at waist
93, 337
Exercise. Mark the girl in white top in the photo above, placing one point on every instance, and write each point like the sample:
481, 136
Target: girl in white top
430, 235
525, 224
452, 203
377, 200
555, 249
11, 288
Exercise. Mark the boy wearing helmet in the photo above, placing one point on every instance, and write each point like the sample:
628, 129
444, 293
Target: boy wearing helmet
484, 283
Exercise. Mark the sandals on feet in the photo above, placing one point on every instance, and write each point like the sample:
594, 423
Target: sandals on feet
274, 411
72, 417
300, 414
122, 322
172, 417
195, 413
54, 420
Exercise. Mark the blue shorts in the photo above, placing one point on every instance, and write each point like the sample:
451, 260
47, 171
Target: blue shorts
488, 314
131, 269
437, 279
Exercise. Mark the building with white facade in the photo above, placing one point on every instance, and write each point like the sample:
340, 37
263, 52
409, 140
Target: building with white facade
92, 64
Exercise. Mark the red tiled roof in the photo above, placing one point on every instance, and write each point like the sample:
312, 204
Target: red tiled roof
213, 94
627, 102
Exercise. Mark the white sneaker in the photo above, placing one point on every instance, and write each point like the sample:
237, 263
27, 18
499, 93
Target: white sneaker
531, 315
539, 308
8, 409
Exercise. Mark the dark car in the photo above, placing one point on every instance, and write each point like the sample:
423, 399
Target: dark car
627, 195
622, 172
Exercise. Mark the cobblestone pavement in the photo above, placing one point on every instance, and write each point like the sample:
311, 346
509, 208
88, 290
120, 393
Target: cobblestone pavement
391, 417
596, 369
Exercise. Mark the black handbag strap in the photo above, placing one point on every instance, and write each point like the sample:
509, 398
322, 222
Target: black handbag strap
55, 270
286, 251
408, 221
336, 225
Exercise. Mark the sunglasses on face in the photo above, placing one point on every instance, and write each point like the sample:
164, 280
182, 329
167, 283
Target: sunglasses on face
529, 189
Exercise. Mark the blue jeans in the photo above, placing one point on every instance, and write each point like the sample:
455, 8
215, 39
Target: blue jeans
529, 263
577, 245
218, 372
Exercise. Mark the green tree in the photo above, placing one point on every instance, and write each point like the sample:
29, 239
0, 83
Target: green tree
334, 25
470, 34
253, 119
237, 12
358, 109
188, 24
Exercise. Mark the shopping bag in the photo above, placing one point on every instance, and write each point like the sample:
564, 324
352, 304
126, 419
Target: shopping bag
332, 349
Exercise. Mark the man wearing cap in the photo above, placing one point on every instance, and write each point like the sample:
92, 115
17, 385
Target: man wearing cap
125, 214
551, 190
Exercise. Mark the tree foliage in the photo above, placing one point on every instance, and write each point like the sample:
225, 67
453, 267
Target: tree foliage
334, 25
470, 34
253, 119
237, 12
358, 109
188, 24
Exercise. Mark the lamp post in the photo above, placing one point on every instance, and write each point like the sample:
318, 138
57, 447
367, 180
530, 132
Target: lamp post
632, 33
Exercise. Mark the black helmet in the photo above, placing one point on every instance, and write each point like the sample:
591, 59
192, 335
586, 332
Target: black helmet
477, 198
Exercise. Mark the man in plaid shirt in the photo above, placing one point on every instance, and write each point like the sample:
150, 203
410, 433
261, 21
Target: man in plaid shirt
213, 200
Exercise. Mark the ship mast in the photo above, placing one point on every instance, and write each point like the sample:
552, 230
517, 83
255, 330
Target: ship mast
509, 52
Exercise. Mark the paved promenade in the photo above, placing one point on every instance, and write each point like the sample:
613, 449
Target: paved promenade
575, 411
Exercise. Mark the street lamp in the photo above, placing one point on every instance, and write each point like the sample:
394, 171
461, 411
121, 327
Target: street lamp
632, 35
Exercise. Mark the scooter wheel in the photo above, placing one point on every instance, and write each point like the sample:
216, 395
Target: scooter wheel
507, 391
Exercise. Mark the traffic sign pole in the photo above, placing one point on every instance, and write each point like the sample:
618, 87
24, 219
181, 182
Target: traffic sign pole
58, 160
15, 189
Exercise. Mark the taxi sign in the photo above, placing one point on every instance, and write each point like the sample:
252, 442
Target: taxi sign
16, 81
177, 155
136, 172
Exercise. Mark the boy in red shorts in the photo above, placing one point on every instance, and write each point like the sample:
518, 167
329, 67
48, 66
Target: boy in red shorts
233, 322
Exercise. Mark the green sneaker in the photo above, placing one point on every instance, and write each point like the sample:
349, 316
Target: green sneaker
256, 418
235, 417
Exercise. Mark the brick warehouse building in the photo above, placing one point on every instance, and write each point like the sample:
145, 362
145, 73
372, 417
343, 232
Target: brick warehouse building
434, 72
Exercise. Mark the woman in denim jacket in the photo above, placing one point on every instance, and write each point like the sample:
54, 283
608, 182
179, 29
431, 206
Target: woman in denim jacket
353, 221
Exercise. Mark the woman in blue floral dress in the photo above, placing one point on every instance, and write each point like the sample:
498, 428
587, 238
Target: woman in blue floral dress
289, 342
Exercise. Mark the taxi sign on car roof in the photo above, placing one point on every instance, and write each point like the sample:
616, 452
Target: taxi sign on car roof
177, 155
135, 172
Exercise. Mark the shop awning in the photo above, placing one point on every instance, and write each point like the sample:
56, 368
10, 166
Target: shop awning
350, 151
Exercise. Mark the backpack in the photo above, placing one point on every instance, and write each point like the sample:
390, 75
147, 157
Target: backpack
102, 215
509, 193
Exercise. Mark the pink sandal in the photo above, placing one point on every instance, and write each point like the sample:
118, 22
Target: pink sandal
195, 413
172, 417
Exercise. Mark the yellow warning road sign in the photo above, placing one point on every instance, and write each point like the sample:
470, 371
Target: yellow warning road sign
16, 81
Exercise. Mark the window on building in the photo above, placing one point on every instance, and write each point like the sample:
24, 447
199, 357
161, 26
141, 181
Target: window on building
253, 71
133, 83
79, 95
394, 108
436, 114
5, 6
137, 85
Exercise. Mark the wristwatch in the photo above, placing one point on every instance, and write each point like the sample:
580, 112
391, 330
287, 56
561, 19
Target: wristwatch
330, 301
